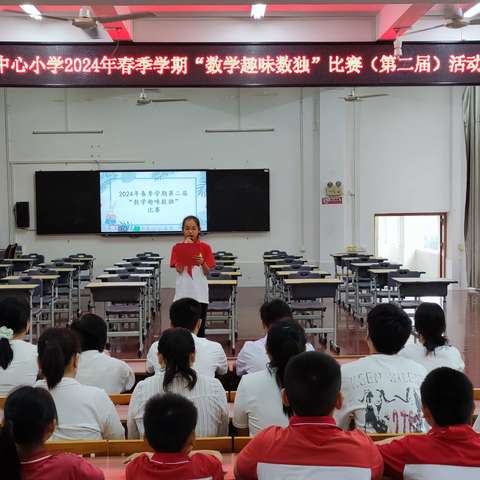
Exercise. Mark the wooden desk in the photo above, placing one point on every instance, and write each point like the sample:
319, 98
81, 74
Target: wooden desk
286, 273
33, 275
282, 266
423, 287
146, 269
231, 274
222, 282
306, 281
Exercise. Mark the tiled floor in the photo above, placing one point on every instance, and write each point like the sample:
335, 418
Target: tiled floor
463, 320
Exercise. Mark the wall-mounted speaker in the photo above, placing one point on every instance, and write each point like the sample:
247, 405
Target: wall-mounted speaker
22, 214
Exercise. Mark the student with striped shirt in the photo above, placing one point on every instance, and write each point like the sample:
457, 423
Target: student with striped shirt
176, 355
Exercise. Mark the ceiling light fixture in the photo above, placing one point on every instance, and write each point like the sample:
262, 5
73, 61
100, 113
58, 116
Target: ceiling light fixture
258, 11
471, 12
32, 10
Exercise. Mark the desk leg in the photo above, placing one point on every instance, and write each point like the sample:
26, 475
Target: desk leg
30, 333
70, 290
52, 304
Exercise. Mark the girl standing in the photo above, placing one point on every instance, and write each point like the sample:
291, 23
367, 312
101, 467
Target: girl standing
192, 270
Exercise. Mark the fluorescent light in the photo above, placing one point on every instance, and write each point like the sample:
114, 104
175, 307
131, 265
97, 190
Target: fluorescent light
258, 11
471, 12
32, 10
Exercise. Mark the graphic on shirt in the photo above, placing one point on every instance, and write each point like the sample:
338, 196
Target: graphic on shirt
381, 416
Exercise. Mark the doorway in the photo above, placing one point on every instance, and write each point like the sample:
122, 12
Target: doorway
416, 240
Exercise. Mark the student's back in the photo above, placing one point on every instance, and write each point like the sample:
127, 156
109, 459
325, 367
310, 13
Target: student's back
169, 425
210, 358
176, 352
18, 358
382, 391
84, 412
432, 349
312, 446
30, 416
451, 449
95, 367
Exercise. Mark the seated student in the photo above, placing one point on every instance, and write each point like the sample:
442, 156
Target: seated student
253, 355
382, 391
29, 420
96, 368
169, 423
210, 358
176, 355
312, 446
258, 402
18, 358
432, 350
451, 449
84, 412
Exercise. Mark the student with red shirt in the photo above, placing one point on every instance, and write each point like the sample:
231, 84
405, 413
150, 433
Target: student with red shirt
451, 449
193, 260
29, 420
312, 446
169, 423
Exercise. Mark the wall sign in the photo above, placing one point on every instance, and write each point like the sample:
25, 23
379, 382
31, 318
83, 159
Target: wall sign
228, 65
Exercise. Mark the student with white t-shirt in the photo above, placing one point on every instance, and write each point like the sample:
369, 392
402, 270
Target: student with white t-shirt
253, 355
95, 367
18, 358
382, 391
210, 358
84, 412
258, 402
191, 280
176, 355
432, 351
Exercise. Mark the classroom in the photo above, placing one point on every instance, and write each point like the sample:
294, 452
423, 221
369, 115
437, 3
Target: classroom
237, 237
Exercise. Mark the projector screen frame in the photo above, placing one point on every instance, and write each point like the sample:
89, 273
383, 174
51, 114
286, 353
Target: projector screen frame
158, 233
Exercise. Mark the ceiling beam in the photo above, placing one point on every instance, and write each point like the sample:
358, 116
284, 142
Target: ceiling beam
118, 30
395, 19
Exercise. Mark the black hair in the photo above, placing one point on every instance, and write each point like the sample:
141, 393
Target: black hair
27, 413
312, 382
448, 394
274, 310
168, 420
92, 332
56, 347
15, 315
191, 217
176, 345
285, 339
430, 324
185, 313
388, 328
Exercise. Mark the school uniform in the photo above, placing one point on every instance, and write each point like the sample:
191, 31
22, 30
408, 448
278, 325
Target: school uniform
210, 358
178, 466
444, 453
23, 369
59, 466
258, 402
84, 412
444, 356
207, 395
195, 285
310, 447
382, 394
253, 356
100, 370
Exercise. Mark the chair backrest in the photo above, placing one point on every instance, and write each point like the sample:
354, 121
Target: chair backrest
220, 293
214, 275
305, 274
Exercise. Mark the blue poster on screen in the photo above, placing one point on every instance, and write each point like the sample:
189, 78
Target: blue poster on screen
151, 202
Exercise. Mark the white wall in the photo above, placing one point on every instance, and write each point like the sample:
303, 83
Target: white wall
407, 150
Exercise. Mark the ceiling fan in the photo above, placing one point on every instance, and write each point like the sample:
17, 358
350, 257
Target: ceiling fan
85, 20
143, 98
353, 97
453, 18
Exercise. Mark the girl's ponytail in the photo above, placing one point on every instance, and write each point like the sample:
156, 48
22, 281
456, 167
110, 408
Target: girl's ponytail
8, 452
431, 325
56, 347
176, 346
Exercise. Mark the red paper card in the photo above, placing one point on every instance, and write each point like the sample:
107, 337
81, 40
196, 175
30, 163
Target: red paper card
185, 253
